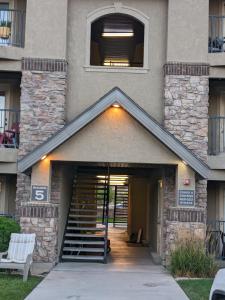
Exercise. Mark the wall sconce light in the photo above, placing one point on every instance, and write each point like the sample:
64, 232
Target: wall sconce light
43, 157
185, 163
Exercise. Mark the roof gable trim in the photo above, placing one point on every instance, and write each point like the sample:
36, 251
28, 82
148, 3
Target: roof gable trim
115, 96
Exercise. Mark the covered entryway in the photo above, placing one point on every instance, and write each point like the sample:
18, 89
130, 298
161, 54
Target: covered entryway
114, 209
129, 142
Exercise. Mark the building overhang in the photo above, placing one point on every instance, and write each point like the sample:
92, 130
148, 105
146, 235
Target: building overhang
115, 96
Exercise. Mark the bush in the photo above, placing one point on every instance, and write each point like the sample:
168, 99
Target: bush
190, 259
7, 226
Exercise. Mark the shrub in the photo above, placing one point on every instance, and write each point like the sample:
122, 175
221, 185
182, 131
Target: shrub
190, 259
7, 226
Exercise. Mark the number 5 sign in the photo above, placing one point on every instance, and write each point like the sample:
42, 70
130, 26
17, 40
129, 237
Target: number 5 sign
39, 193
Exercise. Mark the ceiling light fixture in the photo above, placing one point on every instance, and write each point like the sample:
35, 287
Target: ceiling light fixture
117, 34
116, 105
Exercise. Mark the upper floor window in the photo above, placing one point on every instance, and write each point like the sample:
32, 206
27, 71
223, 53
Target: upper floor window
117, 40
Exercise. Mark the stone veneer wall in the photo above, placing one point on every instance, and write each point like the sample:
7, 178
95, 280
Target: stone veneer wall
186, 105
43, 90
186, 117
180, 223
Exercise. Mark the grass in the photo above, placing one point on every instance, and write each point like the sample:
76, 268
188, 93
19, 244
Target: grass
12, 287
198, 289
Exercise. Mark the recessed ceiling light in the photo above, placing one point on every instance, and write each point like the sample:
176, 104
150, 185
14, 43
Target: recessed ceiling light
116, 105
117, 34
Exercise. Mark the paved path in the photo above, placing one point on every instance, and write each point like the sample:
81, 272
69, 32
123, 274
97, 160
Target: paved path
130, 274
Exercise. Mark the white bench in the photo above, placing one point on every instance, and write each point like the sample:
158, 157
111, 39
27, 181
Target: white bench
19, 254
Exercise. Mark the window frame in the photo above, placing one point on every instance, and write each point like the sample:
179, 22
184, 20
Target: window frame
115, 9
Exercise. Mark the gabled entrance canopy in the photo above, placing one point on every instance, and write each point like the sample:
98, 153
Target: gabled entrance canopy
115, 96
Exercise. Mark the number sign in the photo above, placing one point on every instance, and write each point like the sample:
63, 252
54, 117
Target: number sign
39, 193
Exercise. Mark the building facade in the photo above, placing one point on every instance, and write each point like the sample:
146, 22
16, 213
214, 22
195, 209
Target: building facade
130, 89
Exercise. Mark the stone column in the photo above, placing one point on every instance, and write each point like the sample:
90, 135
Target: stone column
186, 117
43, 91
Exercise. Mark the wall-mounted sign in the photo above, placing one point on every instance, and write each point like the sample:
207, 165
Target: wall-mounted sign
186, 198
39, 193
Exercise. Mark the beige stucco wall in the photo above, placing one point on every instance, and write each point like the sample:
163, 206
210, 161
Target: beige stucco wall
114, 137
153, 216
188, 30
7, 194
3, 205
10, 194
45, 34
185, 172
138, 206
66, 185
85, 88
216, 201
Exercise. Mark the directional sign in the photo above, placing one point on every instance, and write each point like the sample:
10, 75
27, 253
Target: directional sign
186, 198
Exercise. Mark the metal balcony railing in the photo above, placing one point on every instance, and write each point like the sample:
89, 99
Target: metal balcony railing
9, 128
12, 27
215, 238
216, 34
216, 142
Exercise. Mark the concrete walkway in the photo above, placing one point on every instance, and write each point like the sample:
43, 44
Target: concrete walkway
129, 274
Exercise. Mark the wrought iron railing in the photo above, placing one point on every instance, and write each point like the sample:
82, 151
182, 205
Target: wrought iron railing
12, 27
216, 143
216, 34
9, 128
215, 239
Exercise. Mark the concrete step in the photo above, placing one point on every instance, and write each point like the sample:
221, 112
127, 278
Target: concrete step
93, 243
94, 236
81, 249
82, 216
85, 228
82, 222
83, 258
83, 210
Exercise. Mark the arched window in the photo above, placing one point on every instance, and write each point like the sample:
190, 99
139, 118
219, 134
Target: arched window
117, 40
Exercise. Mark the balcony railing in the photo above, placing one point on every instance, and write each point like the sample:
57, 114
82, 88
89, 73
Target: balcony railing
216, 34
215, 239
216, 142
12, 27
9, 128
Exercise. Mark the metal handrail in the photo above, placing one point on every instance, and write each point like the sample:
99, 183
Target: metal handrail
216, 142
12, 27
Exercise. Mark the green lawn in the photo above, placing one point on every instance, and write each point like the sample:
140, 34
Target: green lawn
198, 289
12, 287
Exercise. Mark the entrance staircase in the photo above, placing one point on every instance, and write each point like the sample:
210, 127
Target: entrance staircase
85, 237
